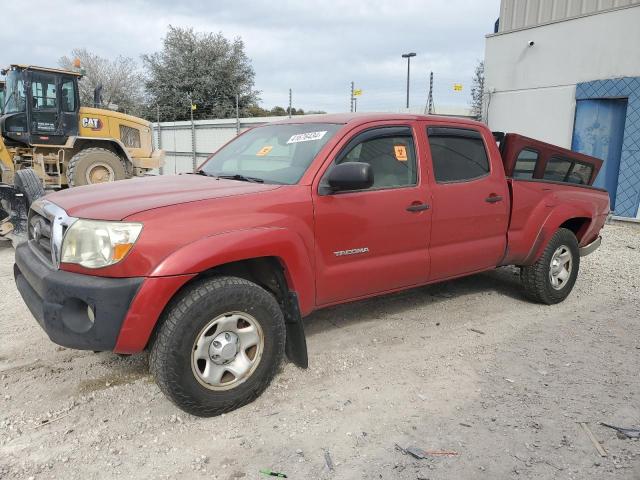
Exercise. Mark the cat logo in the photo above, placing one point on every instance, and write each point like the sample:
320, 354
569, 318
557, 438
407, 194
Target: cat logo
92, 123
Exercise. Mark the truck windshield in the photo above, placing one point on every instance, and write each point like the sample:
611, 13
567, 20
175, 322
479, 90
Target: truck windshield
272, 154
15, 100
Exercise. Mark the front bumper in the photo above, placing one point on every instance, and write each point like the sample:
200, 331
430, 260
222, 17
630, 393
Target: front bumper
77, 311
592, 247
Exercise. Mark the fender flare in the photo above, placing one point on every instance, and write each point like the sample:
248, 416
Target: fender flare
238, 245
559, 215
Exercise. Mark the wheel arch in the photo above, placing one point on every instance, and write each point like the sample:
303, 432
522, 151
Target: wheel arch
113, 144
283, 270
576, 220
241, 249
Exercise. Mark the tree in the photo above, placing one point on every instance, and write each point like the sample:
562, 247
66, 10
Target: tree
277, 111
477, 91
205, 69
121, 80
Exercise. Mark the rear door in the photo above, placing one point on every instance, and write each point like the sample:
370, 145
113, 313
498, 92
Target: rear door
375, 240
470, 201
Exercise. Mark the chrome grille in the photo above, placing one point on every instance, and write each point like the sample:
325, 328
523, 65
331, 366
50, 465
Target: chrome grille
40, 234
47, 225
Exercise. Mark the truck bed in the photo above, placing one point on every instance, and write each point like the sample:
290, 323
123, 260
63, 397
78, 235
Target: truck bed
536, 203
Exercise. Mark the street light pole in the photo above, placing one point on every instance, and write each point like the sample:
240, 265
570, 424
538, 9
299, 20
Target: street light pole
408, 57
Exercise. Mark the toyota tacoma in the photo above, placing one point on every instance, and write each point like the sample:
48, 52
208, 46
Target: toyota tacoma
212, 272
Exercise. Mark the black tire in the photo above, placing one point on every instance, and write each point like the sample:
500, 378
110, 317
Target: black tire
27, 182
170, 360
536, 278
88, 159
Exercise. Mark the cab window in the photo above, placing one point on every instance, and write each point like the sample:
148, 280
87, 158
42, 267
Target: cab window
43, 91
68, 96
458, 154
391, 153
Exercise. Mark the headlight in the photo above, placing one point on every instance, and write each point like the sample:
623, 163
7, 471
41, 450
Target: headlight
96, 244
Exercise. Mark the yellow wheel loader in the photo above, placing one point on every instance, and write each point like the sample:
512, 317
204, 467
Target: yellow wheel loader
48, 141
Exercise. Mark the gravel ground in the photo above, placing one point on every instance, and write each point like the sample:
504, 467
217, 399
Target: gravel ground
404, 369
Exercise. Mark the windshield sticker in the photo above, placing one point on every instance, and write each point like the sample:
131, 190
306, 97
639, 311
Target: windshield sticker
306, 137
264, 151
400, 152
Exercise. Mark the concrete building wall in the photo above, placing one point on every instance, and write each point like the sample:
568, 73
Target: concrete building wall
531, 89
516, 14
594, 57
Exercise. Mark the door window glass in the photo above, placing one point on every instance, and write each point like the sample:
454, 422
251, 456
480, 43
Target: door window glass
391, 154
68, 96
43, 92
458, 154
525, 164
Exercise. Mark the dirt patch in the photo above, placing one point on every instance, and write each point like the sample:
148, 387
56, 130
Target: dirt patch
114, 380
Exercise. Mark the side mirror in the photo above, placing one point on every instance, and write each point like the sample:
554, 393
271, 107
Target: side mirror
350, 176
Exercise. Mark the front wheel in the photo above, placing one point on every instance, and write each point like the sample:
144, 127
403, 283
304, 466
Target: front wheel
551, 279
218, 346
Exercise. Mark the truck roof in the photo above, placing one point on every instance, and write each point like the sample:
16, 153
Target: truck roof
359, 118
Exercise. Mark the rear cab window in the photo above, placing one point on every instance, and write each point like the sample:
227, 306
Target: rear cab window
458, 154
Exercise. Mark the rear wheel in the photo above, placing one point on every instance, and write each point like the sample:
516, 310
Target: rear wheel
95, 165
218, 346
551, 279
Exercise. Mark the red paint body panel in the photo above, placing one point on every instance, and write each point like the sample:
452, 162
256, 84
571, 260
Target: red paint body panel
397, 239
194, 223
539, 208
464, 223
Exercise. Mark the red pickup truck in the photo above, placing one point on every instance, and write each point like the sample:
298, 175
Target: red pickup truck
214, 271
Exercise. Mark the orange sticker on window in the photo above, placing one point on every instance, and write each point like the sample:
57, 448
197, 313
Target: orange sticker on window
401, 152
264, 151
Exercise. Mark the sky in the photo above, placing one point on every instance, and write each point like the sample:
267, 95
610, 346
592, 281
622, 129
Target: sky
316, 48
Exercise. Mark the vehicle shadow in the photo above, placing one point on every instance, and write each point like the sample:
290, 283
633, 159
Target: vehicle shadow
502, 281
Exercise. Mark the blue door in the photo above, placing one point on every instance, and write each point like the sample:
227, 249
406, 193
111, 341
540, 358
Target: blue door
598, 131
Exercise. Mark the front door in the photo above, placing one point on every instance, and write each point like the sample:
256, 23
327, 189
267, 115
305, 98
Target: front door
470, 203
598, 131
373, 240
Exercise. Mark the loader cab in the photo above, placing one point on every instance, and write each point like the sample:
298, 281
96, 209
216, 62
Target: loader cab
41, 106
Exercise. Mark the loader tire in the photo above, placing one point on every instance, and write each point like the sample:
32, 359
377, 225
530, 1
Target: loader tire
218, 345
27, 182
95, 165
551, 279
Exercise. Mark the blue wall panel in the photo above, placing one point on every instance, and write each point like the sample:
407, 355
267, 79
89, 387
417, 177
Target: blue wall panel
628, 192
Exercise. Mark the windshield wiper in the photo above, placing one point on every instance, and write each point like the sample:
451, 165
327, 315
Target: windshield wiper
242, 178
